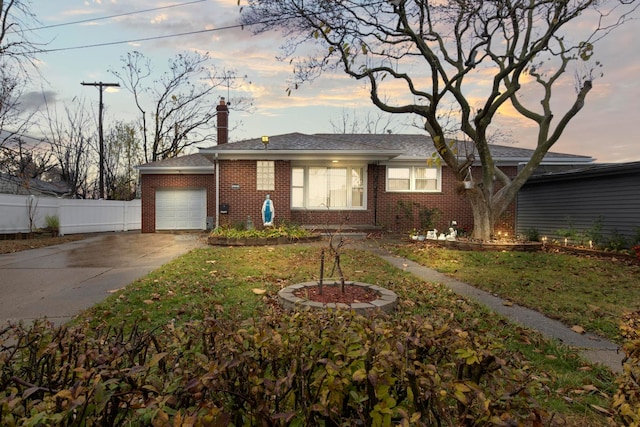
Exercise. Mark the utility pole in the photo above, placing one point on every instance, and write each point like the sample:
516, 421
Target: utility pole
101, 87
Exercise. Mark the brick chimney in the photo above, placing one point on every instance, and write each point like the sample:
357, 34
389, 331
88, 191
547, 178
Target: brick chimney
223, 122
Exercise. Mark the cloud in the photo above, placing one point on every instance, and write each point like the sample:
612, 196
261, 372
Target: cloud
35, 99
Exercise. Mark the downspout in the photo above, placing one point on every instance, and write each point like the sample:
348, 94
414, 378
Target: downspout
217, 207
375, 192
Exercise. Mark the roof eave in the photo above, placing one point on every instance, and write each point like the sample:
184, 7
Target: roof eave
267, 154
564, 161
176, 170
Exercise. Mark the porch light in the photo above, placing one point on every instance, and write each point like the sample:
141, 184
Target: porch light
265, 141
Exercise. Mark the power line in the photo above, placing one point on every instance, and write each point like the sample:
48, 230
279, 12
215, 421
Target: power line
144, 39
137, 40
102, 18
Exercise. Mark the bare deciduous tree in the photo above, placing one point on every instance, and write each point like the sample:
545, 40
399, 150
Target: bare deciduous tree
369, 123
178, 108
438, 51
20, 156
16, 47
17, 53
71, 146
123, 152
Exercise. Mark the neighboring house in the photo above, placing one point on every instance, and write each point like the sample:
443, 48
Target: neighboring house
593, 199
361, 181
10, 184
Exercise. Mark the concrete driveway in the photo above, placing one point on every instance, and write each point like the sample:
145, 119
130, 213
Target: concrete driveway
60, 281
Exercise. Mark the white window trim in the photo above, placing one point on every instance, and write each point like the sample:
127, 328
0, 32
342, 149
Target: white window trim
412, 181
306, 189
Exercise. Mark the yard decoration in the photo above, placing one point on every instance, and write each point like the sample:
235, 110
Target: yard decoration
268, 212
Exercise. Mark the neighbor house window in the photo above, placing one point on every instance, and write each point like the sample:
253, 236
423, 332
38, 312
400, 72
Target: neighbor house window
265, 175
413, 179
328, 187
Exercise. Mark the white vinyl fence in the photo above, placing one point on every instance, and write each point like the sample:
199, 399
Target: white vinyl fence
75, 215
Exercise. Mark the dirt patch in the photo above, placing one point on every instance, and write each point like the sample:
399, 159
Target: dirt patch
11, 246
334, 294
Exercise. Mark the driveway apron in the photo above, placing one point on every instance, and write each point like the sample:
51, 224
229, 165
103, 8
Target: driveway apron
57, 282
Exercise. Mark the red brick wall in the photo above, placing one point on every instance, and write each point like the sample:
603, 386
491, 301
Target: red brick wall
152, 182
246, 202
452, 205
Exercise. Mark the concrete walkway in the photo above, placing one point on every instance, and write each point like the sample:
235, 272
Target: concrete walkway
591, 347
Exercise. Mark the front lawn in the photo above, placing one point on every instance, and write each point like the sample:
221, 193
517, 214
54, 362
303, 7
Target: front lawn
227, 283
584, 291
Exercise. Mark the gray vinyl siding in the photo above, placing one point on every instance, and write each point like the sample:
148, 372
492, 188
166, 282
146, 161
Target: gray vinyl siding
579, 198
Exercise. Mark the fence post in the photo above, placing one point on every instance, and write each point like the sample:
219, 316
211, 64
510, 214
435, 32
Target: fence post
125, 219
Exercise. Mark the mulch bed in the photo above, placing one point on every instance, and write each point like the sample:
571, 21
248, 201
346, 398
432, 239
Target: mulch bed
333, 294
592, 253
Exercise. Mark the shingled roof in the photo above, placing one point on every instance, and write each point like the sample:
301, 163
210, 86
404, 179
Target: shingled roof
191, 163
299, 146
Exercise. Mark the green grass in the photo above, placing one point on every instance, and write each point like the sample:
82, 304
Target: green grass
588, 292
220, 281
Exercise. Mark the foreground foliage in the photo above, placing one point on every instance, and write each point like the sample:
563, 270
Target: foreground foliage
303, 369
626, 401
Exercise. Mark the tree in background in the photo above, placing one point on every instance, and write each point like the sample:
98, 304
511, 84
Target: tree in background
70, 136
369, 123
20, 156
16, 54
178, 108
16, 49
123, 152
436, 54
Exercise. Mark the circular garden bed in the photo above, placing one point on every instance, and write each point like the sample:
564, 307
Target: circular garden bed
361, 297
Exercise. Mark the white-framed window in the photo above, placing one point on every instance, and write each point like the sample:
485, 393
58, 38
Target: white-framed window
420, 179
328, 187
265, 175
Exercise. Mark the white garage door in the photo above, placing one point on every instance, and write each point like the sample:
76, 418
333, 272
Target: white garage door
181, 209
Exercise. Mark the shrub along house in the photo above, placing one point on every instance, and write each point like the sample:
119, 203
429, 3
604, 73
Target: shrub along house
351, 181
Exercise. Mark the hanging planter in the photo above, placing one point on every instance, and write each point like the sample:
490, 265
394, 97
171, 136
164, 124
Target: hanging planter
468, 180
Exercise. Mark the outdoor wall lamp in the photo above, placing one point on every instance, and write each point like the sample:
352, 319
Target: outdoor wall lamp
265, 141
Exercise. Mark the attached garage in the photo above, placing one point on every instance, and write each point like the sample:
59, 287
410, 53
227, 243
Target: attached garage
181, 209
177, 193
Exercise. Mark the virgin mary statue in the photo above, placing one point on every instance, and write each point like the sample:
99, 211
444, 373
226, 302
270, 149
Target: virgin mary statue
268, 212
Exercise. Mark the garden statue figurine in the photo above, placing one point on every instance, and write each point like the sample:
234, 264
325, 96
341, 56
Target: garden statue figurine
268, 212
453, 233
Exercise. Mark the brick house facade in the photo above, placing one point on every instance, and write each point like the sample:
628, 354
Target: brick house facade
355, 170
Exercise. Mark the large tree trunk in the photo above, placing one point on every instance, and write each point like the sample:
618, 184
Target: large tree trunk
488, 206
483, 217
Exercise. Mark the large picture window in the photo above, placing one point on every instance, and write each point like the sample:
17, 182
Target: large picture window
413, 179
315, 187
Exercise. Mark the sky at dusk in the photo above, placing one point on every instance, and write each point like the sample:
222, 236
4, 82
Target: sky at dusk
605, 129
